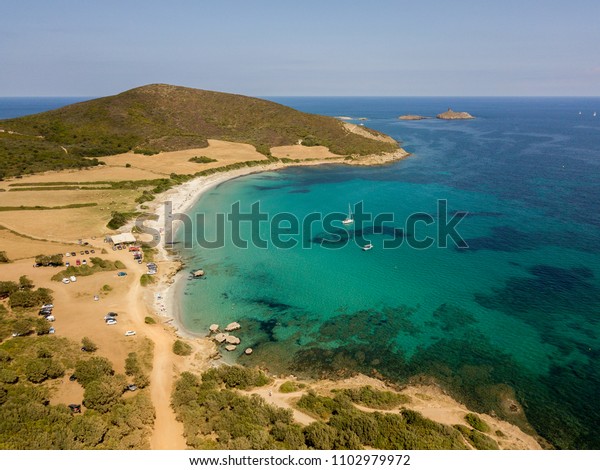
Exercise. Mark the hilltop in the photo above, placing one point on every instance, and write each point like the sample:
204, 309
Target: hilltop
158, 118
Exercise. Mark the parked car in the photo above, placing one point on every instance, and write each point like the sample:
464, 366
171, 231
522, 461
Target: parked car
48, 306
121, 274
75, 408
67, 254
67, 264
66, 280
50, 318
96, 298
92, 251
72, 378
87, 252
84, 262
111, 321
73, 279
132, 387
73, 253
51, 330
77, 262
130, 333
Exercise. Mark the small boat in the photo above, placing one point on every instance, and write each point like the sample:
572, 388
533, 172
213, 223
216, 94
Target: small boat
367, 247
594, 114
348, 220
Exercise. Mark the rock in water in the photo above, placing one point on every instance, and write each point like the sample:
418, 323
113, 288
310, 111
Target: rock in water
454, 115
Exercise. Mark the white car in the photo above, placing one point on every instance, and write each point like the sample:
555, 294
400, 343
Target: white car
67, 255
50, 318
51, 331
66, 280
73, 279
130, 333
48, 306
111, 322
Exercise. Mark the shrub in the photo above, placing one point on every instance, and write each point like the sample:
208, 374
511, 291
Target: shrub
235, 377
39, 369
106, 288
7, 288
118, 219
202, 159
146, 279
8, 376
288, 387
94, 369
102, 395
477, 439
26, 283
476, 422
127, 165
3, 257
30, 298
181, 349
22, 326
88, 345
149, 321
53, 260
42, 326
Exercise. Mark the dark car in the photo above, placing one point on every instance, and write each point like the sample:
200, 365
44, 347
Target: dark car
75, 408
87, 252
72, 377
73, 253
92, 251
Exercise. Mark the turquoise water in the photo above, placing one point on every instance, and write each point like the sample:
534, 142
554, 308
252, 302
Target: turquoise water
516, 314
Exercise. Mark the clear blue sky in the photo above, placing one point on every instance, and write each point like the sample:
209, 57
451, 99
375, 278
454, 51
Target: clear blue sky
305, 47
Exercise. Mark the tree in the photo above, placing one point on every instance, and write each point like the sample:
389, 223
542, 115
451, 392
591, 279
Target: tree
8, 376
88, 345
7, 288
181, 348
42, 326
22, 326
3, 255
94, 369
36, 370
102, 395
26, 283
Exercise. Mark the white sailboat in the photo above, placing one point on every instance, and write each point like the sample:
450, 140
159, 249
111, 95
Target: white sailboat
367, 247
348, 220
594, 113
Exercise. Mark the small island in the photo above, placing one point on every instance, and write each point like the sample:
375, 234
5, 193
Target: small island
412, 117
450, 114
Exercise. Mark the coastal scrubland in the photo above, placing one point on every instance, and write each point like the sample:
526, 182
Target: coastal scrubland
159, 118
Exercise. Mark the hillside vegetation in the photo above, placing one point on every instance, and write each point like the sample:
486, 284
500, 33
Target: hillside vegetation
156, 118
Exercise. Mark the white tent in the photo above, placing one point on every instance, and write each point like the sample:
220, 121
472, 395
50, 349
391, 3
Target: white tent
122, 238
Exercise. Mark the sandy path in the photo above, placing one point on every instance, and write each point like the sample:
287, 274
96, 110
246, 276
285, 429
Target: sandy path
168, 432
273, 396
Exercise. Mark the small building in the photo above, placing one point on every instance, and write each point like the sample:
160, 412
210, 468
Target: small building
122, 239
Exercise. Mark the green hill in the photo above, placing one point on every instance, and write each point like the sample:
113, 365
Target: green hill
156, 118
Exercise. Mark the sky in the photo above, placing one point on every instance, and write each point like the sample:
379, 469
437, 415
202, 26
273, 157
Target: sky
302, 48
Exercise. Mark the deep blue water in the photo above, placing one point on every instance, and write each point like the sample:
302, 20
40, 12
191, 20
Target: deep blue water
23, 106
516, 315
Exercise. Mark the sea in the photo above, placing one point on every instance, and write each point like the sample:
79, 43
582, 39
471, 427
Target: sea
484, 276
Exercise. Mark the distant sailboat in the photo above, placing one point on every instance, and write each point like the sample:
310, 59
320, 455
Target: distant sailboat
348, 220
594, 114
580, 113
367, 247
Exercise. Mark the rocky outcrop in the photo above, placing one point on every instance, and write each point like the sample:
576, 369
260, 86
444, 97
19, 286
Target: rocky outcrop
454, 115
411, 117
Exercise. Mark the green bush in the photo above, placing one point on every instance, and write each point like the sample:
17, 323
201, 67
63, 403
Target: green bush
94, 369
52, 260
30, 298
288, 387
26, 283
7, 288
88, 345
235, 377
477, 439
8, 376
181, 348
4, 257
477, 423
149, 321
102, 395
146, 279
39, 369
118, 219
202, 159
